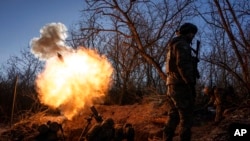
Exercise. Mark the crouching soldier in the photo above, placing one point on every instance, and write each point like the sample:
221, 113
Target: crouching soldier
219, 98
106, 131
48, 132
102, 131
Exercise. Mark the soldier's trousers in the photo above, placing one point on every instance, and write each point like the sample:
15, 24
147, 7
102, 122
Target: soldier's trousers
181, 103
219, 113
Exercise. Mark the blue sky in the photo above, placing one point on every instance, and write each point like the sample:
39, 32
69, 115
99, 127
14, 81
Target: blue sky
21, 20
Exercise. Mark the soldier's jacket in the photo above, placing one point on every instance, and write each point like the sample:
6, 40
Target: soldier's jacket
106, 131
220, 96
180, 67
102, 131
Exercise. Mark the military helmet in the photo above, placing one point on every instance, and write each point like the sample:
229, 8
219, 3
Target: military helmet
188, 28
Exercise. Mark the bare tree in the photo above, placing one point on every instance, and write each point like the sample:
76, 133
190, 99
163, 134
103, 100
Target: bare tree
138, 31
229, 44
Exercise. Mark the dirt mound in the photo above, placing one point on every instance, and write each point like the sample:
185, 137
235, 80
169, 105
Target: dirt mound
147, 119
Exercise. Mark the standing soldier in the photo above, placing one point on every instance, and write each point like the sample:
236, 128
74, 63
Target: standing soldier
181, 80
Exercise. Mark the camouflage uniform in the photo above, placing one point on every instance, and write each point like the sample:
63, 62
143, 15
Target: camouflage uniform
220, 104
221, 99
181, 79
102, 131
48, 132
106, 131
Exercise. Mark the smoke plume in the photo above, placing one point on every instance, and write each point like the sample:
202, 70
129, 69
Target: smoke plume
51, 42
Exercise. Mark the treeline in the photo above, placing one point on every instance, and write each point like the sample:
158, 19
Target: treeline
18, 97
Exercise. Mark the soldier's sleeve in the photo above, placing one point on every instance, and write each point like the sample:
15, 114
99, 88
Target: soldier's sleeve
211, 101
184, 63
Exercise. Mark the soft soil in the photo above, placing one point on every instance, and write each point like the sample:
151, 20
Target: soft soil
146, 117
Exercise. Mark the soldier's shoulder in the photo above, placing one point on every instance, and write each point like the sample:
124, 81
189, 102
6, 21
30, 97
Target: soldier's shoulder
175, 40
178, 42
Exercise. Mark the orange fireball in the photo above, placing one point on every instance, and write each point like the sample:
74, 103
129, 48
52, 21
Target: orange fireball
72, 82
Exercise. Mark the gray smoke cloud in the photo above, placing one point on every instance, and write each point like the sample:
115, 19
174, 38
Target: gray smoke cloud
51, 41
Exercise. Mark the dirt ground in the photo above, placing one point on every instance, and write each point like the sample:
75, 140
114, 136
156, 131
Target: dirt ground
146, 117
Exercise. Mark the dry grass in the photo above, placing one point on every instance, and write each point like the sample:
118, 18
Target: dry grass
147, 118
